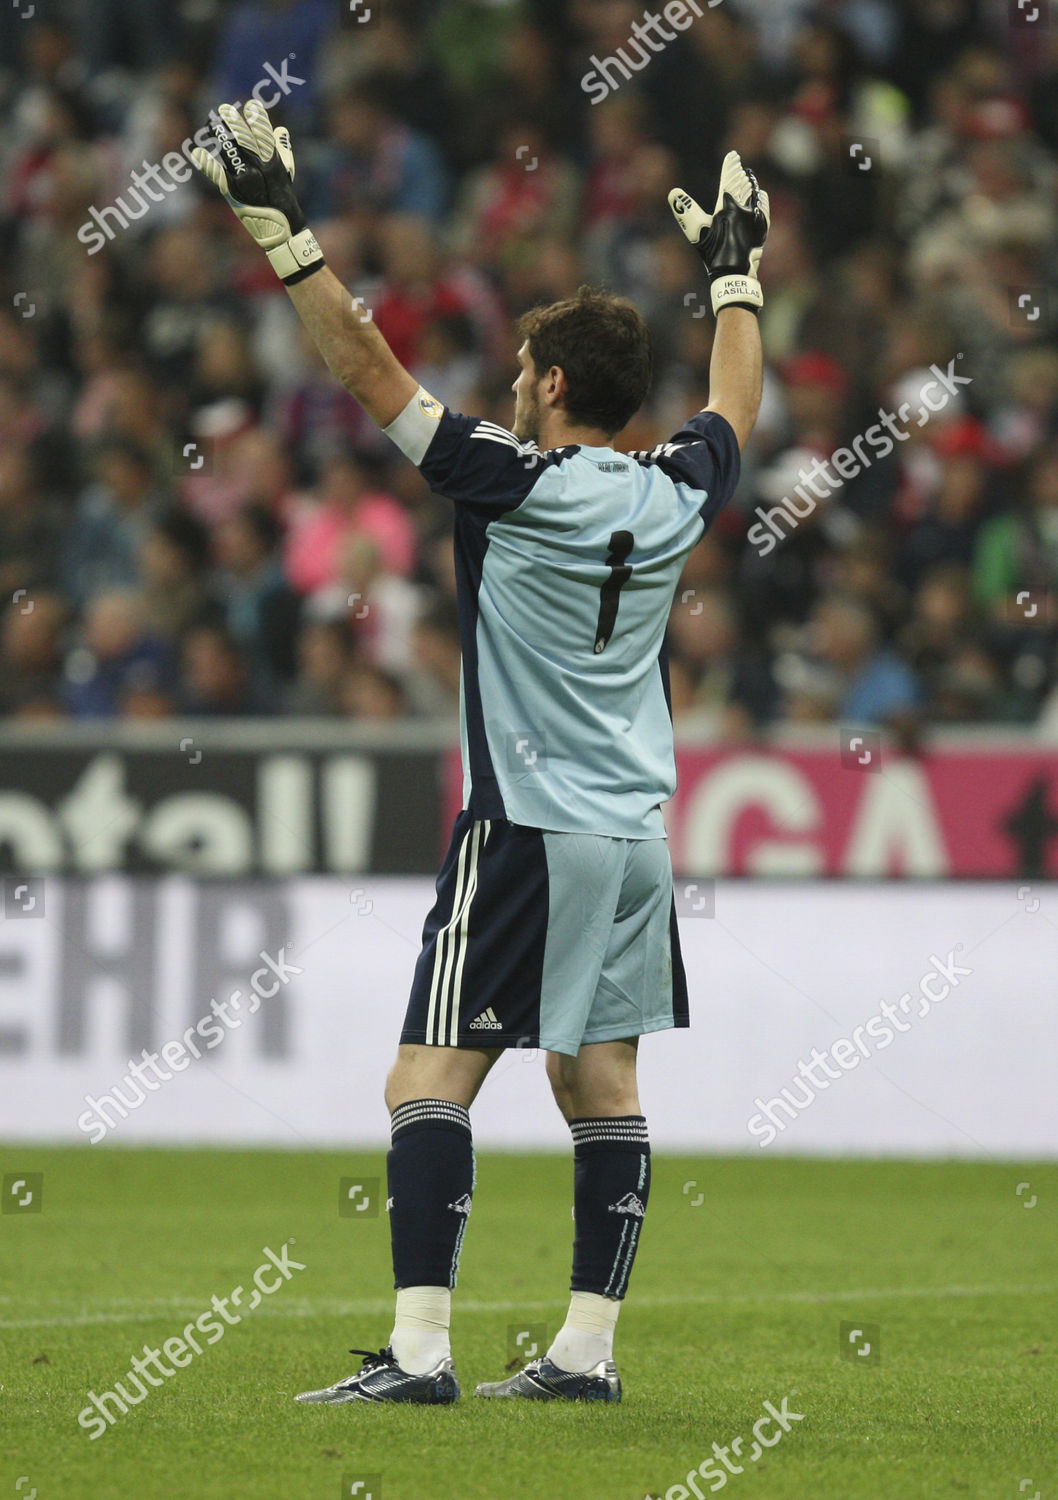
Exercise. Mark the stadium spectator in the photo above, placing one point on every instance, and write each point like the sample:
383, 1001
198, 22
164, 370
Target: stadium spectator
525, 190
374, 162
324, 656
1019, 549
416, 86
873, 685
273, 42
173, 558
717, 685
261, 611
135, 412
214, 677
529, 79
418, 287
946, 530
448, 361
433, 683
31, 656
370, 693
113, 516
116, 657
135, 35
315, 415
30, 525
349, 503
183, 302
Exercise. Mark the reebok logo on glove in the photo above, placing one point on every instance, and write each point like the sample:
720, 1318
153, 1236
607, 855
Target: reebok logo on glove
227, 145
258, 184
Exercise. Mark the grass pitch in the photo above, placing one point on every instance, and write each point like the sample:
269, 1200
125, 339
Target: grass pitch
747, 1270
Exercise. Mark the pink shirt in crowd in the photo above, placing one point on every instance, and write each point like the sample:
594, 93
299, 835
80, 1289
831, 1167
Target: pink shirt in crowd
318, 534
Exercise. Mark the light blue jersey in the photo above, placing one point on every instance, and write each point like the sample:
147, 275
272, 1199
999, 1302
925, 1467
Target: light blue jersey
567, 562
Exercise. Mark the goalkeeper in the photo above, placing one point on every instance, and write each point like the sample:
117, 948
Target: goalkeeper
554, 924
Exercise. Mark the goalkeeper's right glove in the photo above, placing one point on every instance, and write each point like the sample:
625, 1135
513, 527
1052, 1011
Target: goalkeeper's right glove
257, 179
731, 238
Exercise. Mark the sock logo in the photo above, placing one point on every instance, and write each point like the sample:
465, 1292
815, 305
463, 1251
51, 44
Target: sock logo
462, 1205
486, 1021
629, 1204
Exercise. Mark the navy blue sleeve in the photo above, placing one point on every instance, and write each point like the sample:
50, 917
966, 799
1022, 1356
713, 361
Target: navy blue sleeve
705, 455
481, 465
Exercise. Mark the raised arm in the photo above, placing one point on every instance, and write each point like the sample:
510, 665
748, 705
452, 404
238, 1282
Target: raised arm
256, 177
353, 347
730, 241
735, 370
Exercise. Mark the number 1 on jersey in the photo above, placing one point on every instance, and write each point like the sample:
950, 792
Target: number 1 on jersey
621, 544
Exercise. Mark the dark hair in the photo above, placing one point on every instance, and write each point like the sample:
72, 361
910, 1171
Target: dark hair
375, 89
603, 345
262, 525
441, 616
118, 445
186, 533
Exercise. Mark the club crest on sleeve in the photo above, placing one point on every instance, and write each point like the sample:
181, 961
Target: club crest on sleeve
429, 406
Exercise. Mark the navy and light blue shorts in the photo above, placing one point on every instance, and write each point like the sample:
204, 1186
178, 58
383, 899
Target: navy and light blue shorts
544, 939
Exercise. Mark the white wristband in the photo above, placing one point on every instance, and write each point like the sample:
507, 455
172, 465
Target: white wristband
738, 289
295, 255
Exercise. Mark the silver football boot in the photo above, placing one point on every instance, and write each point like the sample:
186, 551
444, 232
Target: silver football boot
542, 1380
380, 1378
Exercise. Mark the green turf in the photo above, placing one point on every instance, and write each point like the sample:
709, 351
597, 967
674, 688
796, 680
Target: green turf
735, 1301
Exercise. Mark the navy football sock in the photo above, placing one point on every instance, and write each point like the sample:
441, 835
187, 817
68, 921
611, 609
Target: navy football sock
611, 1183
430, 1169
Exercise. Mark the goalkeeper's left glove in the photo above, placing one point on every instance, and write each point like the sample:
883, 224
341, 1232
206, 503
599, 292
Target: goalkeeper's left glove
731, 238
257, 178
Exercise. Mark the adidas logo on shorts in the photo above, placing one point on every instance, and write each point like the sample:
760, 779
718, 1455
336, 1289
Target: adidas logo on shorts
486, 1021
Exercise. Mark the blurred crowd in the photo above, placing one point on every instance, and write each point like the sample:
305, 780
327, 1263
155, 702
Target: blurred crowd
196, 519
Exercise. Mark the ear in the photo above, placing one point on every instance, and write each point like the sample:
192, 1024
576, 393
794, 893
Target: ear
557, 386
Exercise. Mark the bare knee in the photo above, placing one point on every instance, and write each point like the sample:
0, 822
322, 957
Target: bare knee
417, 1073
558, 1076
397, 1080
599, 1083
449, 1073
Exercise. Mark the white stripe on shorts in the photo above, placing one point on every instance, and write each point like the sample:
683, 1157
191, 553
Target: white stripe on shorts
450, 951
